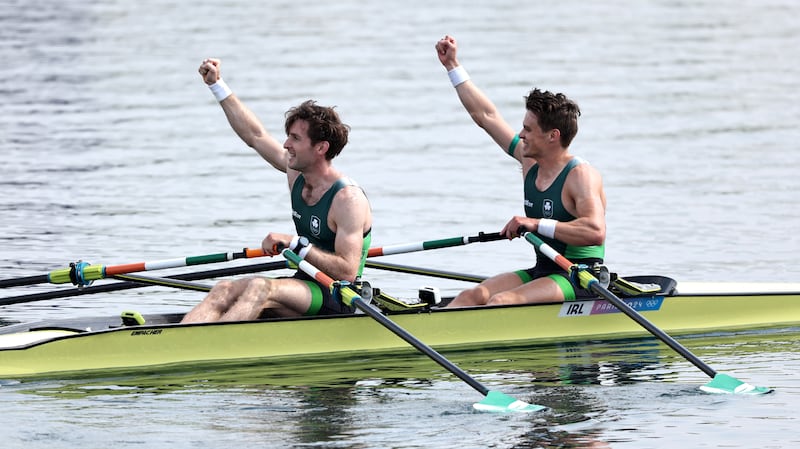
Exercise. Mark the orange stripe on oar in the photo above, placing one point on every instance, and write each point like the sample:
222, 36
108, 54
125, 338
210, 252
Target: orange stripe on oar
323, 278
125, 268
562, 262
82, 273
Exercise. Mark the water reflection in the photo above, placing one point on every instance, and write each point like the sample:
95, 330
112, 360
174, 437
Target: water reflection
604, 363
337, 401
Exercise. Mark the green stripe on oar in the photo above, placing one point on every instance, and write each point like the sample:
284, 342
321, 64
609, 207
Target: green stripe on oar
116, 286
433, 244
82, 273
720, 383
494, 400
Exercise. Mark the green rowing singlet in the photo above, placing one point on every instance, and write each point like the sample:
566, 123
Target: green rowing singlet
547, 204
312, 221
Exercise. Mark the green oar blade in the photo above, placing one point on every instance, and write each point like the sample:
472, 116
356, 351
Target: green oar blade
725, 384
496, 401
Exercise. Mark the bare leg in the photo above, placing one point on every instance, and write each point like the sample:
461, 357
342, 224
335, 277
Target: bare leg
476, 296
483, 292
217, 302
246, 299
537, 291
278, 297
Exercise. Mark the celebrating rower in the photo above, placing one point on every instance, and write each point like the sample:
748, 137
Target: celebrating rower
331, 213
564, 198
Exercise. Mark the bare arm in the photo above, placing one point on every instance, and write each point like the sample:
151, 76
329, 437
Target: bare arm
585, 199
244, 122
483, 112
350, 217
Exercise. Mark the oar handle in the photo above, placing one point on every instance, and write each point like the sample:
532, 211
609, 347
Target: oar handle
432, 272
487, 237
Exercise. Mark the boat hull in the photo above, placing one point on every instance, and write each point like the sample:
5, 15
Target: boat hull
53, 351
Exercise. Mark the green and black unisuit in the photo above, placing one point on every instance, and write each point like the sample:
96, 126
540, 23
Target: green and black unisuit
311, 221
548, 204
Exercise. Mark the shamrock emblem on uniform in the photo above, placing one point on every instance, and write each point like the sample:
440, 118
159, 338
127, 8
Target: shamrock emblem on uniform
315, 225
547, 209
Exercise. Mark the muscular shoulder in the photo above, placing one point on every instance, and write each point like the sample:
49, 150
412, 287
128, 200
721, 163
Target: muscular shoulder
583, 171
584, 180
351, 207
350, 194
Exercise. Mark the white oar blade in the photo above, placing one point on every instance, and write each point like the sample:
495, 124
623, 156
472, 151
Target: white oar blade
725, 384
496, 401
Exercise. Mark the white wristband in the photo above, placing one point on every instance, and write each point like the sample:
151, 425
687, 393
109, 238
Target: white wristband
304, 251
293, 243
458, 75
220, 90
547, 228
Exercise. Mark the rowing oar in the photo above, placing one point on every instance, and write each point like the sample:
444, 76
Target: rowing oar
82, 273
247, 253
116, 286
425, 271
433, 244
494, 400
164, 282
720, 383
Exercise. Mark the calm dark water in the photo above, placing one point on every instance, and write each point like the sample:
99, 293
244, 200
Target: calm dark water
114, 152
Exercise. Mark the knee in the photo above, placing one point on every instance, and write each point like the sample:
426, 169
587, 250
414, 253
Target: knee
220, 291
503, 298
227, 292
260, 286
219, 297
474, 296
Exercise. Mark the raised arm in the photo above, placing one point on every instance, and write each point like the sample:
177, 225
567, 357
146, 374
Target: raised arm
483, 112
243, 121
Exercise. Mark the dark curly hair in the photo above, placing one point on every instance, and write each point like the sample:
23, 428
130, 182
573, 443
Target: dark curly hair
324, 125
554, 111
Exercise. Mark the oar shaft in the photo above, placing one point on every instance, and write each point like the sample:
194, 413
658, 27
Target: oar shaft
83, 273
588, 281
349, 296
100, 271
164, 282
433, 244
168, 263
27, 280
425, 271
116, 286
650, 327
